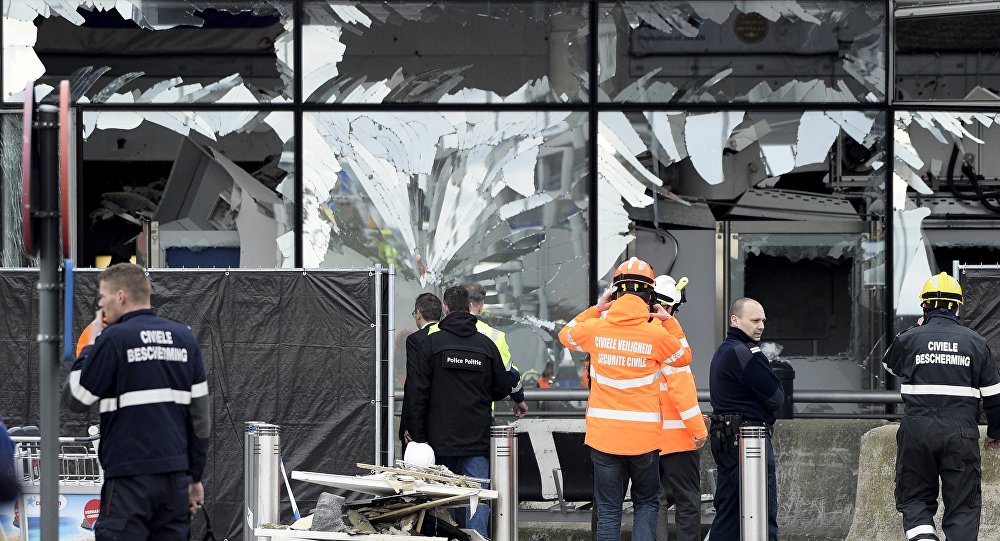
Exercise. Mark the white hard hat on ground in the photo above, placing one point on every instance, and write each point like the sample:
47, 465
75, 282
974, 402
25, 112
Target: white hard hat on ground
418, 454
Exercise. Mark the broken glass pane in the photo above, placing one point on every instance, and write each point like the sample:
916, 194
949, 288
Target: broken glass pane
946, 198
11, 234
455, 52
237, 51
787, 195
451, 197
188, 189
730, 51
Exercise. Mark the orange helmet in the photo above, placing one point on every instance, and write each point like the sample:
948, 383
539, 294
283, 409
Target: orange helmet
633, 275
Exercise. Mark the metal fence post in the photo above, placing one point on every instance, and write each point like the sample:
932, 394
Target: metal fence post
261, 475
753, 483
503, 476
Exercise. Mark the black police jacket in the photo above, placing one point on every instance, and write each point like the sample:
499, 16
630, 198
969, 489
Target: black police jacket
147, 376
944, 369
742, 381
448, 396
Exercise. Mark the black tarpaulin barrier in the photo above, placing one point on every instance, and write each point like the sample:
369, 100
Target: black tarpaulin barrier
981, 309
294, 348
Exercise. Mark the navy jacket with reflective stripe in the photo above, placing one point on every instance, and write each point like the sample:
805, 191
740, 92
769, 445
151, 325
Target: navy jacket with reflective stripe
146, 375
943, 368
742, 381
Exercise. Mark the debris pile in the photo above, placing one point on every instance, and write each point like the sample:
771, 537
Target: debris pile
407, 500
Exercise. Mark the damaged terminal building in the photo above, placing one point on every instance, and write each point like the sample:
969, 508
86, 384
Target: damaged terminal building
823, 156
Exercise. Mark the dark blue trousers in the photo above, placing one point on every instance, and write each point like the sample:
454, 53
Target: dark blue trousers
145, 507
726, 526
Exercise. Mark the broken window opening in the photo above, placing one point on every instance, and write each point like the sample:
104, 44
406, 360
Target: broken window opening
721, 51
174, 197
450, 197
126, 51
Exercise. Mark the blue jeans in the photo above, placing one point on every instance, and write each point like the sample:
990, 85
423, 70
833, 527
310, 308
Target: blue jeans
610, 473
472, 466
726, 525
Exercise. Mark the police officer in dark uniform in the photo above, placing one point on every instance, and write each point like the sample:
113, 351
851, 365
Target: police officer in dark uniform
147, 375
745, 391
943, 370
449, 394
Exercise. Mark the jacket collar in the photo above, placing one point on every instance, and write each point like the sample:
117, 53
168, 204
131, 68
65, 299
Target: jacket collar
736, 334
628, 310
135, 313
943, 314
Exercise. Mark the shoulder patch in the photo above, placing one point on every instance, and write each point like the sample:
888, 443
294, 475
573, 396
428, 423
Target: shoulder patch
755, 349
743, 353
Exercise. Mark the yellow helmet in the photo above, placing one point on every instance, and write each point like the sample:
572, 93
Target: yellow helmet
941, 288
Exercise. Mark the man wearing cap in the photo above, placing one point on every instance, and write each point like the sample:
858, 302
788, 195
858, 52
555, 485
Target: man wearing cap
943, 370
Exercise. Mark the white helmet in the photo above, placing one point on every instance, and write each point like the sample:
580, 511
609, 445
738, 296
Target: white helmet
419, 454
668, 291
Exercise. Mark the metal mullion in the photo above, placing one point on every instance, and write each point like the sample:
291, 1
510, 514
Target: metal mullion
889, 316
592, 129
298, 185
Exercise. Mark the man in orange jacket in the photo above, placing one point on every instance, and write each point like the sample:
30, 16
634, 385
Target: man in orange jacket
627, 351
684, 430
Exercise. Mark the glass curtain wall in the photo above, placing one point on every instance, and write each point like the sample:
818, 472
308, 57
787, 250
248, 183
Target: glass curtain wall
466, 141
946, 138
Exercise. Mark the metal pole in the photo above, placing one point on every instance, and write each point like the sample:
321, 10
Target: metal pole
261, 477
48, 319
390, 444
503, 478
753, 483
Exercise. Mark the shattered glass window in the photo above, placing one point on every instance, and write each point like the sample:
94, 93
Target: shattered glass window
444, 52
187, 189
732, 51
946, 51
11, 237
449, 197
946, 198
789, 197
135, 51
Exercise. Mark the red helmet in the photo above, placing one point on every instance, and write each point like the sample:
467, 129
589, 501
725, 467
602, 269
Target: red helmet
633, 275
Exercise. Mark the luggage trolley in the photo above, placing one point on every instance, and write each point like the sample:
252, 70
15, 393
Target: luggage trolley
80, 481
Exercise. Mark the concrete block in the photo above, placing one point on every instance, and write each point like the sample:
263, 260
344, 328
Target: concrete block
818, 465
875, 515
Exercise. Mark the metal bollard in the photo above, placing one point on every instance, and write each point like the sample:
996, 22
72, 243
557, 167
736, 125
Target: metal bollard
261, 475
753, 483
503, 476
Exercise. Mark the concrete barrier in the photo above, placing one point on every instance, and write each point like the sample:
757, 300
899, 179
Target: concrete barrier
875, 515
818, 463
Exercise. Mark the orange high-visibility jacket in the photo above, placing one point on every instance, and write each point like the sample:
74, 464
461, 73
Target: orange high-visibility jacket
626, 354
682, 419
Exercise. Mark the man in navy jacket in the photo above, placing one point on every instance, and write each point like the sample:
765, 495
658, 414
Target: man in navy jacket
147, 375
745, 391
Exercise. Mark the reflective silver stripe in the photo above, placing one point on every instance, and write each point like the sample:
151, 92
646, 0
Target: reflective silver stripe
148, 396
624, 415
569, 335
199, 390
675, 356
887, 369
946, 390
693, 412
663, 386
755, 349
623, 383
79, 391
919, 530
667, 425
684, 343
990, 390
668, 370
